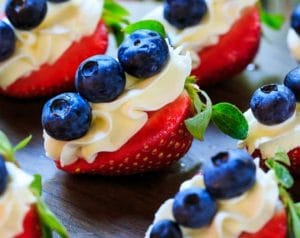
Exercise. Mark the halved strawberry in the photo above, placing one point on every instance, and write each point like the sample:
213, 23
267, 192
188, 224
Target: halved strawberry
235, 50
163, 140
276, 228
59, 77
31, 225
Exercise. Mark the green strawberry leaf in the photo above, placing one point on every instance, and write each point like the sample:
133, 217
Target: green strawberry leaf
36, 185
230, 120
115, 17
283, 176
272, 20
294, 220
148, 25
22, 144
281, 156
49, 220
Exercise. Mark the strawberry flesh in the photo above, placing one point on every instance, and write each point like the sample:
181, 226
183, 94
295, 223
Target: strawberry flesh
235, 50
59, 77
31, 225
163, 140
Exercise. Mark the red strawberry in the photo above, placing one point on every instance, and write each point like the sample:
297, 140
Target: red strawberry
163, 140
59, 77
276, 228
31, 225
235, 50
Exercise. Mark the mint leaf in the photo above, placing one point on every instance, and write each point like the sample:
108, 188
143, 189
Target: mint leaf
115, 17
148, 25
49, 220
22, 144
230, 120
281, 156
272, 20
36, 185
282, 174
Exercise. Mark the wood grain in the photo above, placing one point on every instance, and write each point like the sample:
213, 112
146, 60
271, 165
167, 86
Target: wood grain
95, 206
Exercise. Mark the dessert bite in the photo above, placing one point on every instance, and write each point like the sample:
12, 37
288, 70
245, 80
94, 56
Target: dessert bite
129, 115
43, 42
223, 36
273, 120
232, 197
23, 212
293, 37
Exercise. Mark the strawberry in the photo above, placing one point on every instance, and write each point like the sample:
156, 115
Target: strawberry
235, 50
276, 228
51, 79
163, 140
31, 225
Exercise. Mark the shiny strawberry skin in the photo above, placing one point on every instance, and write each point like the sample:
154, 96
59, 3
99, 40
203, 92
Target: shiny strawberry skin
163, 140
31, 225
59, 77
234, 51
277, 227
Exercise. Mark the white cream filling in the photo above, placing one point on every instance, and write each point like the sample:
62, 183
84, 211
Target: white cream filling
65, 23
269, 138
15, 202
293, 42
116, 122
221, 16
247, 213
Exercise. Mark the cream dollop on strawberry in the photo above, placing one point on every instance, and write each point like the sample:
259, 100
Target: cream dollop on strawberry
15, 202
218, 20
64, 24
114, 123
246, 213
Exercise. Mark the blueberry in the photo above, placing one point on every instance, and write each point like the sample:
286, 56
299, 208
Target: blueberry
273, 104
292, 81
194, 208
295, 19
66, 116
26, 14
100, 79
143, 54
182, 14
229, 174
7, 41
165, 229
3, 175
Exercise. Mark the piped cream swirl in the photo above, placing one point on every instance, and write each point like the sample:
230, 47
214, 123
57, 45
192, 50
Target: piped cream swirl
65, 23
15, 202
221, 16
247, 213
268, 139
114, 123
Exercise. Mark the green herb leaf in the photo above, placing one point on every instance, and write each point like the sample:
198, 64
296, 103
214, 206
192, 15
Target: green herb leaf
282, 174
272, 20
281, 156
146, 24
230, 120
115, 17
36, 185
49, 220
22, 144
294, 221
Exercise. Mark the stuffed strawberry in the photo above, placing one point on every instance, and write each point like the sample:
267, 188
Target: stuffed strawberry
23, 213
222, 36
132, 115
273, 120
232, 197
43, 43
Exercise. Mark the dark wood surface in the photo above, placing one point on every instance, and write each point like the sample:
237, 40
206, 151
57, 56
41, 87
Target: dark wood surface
95, 206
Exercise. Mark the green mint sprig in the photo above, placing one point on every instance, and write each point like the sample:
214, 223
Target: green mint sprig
115, 17
227, 117
49, 221
285, 181
148, 25
8, 150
